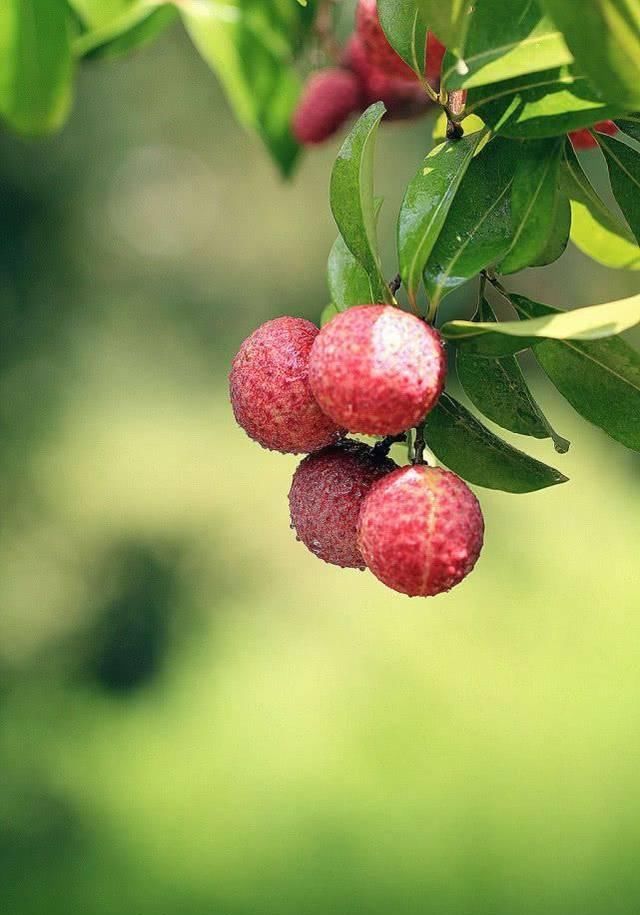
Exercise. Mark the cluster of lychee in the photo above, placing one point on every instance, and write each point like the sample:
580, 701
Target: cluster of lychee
369, 71
373, 370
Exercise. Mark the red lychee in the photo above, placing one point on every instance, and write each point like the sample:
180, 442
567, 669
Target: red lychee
377, 370
270, 392
329, 98
421, 530
402, 98
326, 497
584, 139
379, 52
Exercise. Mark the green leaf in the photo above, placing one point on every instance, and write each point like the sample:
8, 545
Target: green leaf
604, 37
501, 44
590, 323
537, 105
477, 232
594, 228
250, 44
600, 379
498, 389
448, 19
136, 26
352, 200
36, 64
468, 448
630, 124
533, 203
406, 30
427, 201
348, 280
624, 170
560, 231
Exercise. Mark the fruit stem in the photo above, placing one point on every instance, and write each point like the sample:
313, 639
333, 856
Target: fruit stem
420, 444
382, 449
495, 282
324, 31
481, 289
395, 284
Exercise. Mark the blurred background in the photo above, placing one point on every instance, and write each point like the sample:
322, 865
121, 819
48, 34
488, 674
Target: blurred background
196, 716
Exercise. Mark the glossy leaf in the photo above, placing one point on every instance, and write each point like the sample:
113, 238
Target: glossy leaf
624, 170
533, 203
600, 379
591, 323
498, 389
406, 30
36, 64
250, 45
448, 19
604, 37
427, 201
560, 231
539, 105
504, 43
348, 280
630, 124
471, 450
477, 232
594, 228
352, 200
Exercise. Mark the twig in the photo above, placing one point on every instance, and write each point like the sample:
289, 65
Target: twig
420, 445
382, 449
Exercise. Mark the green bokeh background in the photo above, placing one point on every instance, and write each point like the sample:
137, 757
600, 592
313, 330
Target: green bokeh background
198, 717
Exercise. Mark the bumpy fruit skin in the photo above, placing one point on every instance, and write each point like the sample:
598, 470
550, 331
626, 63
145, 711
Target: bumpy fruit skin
583, 139
377, 370
270, 392
329, 98
421, 530
326, 496
402, 98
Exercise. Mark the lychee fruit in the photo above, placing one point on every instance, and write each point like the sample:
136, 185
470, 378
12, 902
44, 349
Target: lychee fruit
421, 530
402, 98
326, 497
584, 139
377, 370
270, 392
328, 99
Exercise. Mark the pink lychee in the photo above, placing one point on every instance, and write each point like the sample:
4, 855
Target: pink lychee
328, 99
421, 530
402, 98
377, 370
326, 497
270, 392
